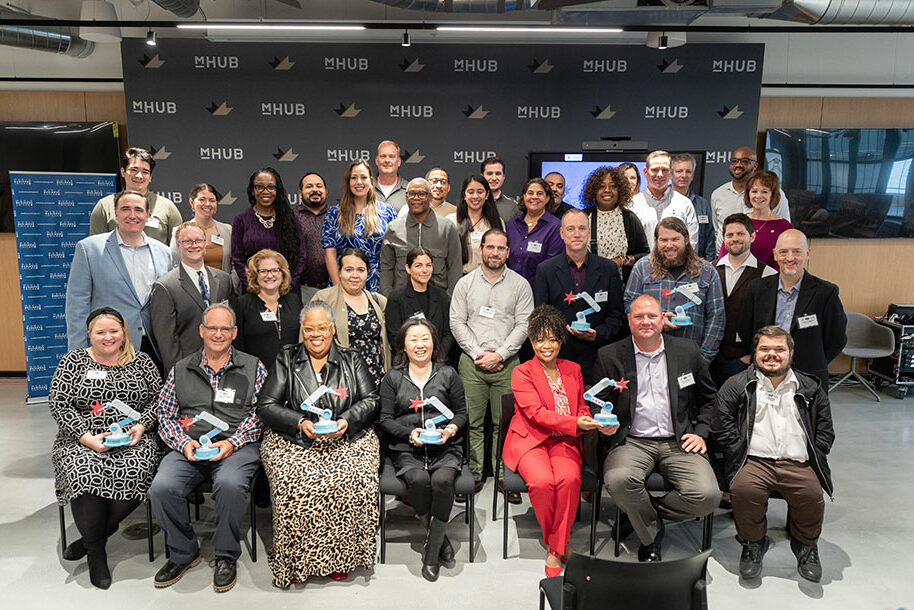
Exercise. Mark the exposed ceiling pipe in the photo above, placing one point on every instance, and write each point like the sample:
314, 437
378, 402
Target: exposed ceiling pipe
846, 12
181, 8
462, 6
62, 40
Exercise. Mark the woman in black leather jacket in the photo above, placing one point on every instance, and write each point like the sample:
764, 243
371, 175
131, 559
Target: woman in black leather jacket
323, 487
428, 469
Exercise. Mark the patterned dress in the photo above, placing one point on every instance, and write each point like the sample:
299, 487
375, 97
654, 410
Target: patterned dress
120, 473
370, 244
365, 338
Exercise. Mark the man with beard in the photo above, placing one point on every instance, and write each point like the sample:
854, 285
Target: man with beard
728, 198
489, 312
737, 269
556, 182
807, 307
674, 275
775, 424
311, 212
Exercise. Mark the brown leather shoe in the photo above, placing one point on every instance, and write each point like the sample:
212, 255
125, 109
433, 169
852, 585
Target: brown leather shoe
477, 486
513, 496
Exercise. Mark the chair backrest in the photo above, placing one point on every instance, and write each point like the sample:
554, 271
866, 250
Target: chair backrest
590, 583
507, 412
863, 332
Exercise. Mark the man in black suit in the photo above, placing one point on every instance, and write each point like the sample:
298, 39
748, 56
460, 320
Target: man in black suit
179, 297
560, 278
664, 423
807, 307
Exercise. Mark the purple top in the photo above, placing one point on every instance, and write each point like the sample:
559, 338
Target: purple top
315, 269
766, 236
530, 249
249, 237
578, 274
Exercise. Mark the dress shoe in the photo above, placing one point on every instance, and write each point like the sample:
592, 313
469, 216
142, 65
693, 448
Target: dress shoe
446, 554
431, 551
477, 486
99, 575
807, 560
552, 572
172, 572
75, 550
225, 575
750, 562
587, 496
339, 575
513, 496
651, 552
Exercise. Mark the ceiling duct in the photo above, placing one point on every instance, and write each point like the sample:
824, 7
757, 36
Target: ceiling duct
460, 6
846, 12
181, 8
43, 36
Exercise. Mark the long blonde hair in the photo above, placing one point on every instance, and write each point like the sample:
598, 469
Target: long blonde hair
347, 204
126, 353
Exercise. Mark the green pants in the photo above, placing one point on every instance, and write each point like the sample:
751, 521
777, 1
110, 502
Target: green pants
484, 391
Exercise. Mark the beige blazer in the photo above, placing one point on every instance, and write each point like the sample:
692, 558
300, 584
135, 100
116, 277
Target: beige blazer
333, 296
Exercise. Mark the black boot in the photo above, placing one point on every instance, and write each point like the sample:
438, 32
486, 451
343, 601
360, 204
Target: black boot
77, 549
97, 559
446, 554
433, 540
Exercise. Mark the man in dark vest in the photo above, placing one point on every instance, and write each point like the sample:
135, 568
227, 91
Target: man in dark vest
737, 268
223, 382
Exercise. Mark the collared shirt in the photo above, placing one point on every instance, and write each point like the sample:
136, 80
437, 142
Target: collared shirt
314, 272
139, 265
733, 274
507, 207
170, 428
444, 209
786, 303
491, 316
393, 195
725, 200
777, 432
653, 418
531, 247
436, 235
650, 210
707, 243
578, 274
192, 274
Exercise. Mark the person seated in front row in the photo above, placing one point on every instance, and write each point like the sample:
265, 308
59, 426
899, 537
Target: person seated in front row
323, 485
428, 469
664, 423
776, 428
542, 444
223, 382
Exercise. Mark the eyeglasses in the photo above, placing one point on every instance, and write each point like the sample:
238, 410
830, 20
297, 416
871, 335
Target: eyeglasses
744, 161
259, 188
192, 242
416, 194
219, 329
138, 170
276, 271
321, 329
438, 181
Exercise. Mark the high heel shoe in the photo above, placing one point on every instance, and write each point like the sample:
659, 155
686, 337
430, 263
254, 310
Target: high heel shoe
556, 571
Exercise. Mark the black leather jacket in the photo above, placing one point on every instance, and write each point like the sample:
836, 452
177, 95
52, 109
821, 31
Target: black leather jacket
292, 379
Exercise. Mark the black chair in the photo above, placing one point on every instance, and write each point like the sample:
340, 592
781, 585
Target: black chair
195, 497
590, 480
656, 483
391, 485
591, 583
149, 530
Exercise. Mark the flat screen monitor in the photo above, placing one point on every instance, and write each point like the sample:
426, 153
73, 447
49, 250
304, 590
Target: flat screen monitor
846, 182
576, 167
54, 147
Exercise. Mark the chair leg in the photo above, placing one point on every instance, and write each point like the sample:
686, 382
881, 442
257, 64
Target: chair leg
495, 501
253, 527
63, 528
707, 531
847, 376
542, 599
504, 537
617, 532
866, 384
594, 518
381, 515
471, 505
149, 531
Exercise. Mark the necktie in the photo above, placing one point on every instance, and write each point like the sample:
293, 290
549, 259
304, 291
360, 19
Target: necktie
204, 291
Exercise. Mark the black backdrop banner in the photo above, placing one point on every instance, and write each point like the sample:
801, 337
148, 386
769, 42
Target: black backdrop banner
215, 112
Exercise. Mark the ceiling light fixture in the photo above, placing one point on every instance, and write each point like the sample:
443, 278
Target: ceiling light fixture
664, 42
151, 38
268, 26
404, 41
527, 29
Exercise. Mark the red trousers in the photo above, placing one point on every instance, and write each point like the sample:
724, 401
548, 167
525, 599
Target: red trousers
552, 471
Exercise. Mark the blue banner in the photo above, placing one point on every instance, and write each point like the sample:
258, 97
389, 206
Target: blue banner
51, 211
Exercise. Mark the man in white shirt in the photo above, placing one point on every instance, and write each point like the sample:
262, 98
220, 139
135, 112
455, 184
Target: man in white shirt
660, 200
776, 427
728, 198
389, 186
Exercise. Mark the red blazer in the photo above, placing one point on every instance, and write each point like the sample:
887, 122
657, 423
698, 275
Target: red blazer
535, 418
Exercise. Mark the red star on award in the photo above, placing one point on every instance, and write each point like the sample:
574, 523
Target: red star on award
666, 292
570, 297
622, 384
415, 404
341, 392
98, 408
187, 422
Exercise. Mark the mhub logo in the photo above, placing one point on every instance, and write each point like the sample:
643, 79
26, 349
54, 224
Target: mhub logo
221, 153
605, 65
348, 64
411, 111
153, 107
734, 65
472, 156
282, 109
412, 157
602, 113
219, 110
282, 64
342, 155
175, 196
151, 63
285, 155
347, 112
670, 67
539, 112
666, 112
475, 113
717, 156
159, 154
475, 65
540, 67
728, 113
411, 65
216, 62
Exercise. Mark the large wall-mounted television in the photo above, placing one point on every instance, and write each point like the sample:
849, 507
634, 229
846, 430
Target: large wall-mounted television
577, 166
846, 182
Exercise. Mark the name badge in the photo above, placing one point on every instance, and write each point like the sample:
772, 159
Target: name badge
487, 312
476, 236
602, 296
152, 222
692, 287
703, 219
685, 380
772, 398
217, 239
226, 395
96, 374
808, 321
535, 246
419, 315
268, 316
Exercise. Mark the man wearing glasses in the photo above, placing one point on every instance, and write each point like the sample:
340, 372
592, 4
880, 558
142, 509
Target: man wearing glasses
224, 382
728, 198
136, 170
419, 228
179, 297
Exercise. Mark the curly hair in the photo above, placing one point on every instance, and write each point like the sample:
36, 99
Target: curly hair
550, 202
286, 228
253, 276
595, 182
546, 320
401, 360
489, 213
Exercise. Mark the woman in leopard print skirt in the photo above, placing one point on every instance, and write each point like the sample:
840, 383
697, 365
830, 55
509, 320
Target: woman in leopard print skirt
323, 487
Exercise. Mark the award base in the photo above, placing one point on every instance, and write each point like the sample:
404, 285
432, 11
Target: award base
430, 437
606, 419
681, 320
117, 440
326, 427
206, 453
581, 326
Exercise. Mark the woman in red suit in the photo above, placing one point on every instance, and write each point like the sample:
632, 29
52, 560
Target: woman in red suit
542, 443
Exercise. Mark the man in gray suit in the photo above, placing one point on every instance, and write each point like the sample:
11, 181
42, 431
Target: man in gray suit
180, 296
116, 269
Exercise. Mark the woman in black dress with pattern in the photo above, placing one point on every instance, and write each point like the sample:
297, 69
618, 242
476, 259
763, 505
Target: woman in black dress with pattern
103, 485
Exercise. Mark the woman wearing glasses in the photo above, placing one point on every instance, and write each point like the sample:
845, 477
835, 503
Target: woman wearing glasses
324, 486
267, 315
204, 201
359, 221
269, 223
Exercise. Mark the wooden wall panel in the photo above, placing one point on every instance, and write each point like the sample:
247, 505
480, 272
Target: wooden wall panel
42, 106
12, 342
106, 106
789, 112
840, 112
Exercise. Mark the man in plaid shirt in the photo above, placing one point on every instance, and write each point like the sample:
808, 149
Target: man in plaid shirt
223, 382
671, 273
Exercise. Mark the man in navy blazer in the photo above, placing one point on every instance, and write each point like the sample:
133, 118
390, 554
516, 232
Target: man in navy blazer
560, 278
807, 307
116, 269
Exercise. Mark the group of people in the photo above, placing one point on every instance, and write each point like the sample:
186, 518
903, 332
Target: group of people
319, 338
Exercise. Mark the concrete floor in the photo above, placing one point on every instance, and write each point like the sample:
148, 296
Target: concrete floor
865, 548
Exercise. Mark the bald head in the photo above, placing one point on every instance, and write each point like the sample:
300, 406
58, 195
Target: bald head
743, 162
646, 301
791, 252
645, 320
419, 182
575, 232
